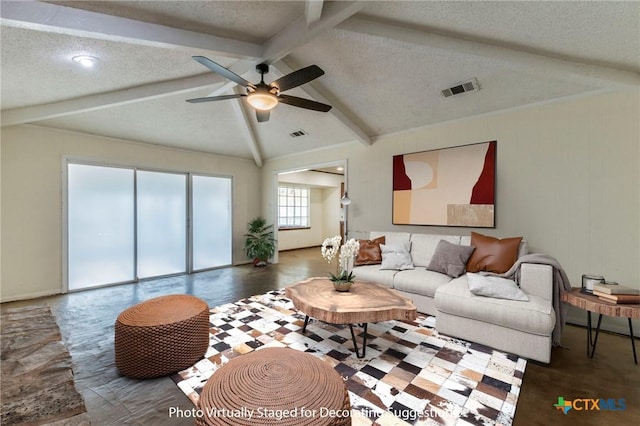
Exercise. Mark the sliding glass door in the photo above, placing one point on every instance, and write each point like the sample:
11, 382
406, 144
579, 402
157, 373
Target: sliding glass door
161, 218
126, 224
100, 226
211, 221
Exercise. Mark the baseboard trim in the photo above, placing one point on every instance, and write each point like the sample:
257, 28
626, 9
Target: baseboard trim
29, 296
298, 248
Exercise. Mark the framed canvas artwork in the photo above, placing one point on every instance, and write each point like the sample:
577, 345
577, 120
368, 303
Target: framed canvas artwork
446, 187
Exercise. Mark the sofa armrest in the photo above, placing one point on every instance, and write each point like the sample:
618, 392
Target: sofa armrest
537, 280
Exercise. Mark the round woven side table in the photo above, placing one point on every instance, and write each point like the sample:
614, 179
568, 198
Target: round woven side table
275, 386
160, 336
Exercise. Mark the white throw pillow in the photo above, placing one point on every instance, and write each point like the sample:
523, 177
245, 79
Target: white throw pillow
490, 286
396, 256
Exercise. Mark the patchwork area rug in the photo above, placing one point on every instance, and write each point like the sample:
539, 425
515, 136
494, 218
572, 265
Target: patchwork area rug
37, 377
410, 374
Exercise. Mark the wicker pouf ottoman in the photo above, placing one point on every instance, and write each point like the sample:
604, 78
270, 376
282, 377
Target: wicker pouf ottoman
161, 336
275, 386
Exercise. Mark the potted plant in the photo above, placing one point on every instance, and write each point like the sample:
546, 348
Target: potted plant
260, 244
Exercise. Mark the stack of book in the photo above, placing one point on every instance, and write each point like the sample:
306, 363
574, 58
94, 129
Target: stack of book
617, 293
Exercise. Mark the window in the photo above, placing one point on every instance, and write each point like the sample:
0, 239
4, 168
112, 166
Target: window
293, 206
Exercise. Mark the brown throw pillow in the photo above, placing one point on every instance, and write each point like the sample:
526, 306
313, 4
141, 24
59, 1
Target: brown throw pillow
369, 252
492, 254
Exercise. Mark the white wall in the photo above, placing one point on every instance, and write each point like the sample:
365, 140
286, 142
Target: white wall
332, 212
32, 172
568, 180
312, 178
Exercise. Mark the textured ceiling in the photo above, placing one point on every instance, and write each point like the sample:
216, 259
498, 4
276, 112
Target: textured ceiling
385, 64
37, 66
602, 32
252, 21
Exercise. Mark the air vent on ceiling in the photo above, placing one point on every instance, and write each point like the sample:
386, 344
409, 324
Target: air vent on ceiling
468, 86
298, 133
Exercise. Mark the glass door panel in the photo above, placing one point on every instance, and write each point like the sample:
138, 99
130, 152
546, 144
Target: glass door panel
100, 225
211, 207
161, 223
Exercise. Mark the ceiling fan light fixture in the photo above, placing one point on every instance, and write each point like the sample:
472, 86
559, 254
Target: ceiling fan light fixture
264, 97
262, 100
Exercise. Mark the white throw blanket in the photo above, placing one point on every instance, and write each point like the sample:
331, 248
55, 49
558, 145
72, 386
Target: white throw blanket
560, 283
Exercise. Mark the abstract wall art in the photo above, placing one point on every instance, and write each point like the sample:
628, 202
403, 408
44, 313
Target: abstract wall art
446, 187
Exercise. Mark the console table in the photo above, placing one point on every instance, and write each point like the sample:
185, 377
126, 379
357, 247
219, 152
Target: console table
591, 303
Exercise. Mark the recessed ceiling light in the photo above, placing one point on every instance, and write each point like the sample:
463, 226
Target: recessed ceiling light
340, 168
85, 60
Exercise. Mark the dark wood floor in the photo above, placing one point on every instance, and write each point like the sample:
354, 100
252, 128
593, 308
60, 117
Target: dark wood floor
87, 318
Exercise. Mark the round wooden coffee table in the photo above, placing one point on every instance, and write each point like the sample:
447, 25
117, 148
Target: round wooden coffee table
366, 302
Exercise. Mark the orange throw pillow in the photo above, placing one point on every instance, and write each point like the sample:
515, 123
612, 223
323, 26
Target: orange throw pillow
369, 252
493, 254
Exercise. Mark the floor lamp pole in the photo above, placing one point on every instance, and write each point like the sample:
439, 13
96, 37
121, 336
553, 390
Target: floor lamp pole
345, 201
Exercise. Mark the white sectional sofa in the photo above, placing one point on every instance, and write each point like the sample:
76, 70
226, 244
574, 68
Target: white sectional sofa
519, 327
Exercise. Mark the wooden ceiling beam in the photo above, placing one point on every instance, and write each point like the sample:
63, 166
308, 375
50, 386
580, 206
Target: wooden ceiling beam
313, 11
48, 17
242, 111
298, 33
532, 63
114, 98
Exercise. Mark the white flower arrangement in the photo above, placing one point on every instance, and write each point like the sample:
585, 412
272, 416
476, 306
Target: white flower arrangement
331, 247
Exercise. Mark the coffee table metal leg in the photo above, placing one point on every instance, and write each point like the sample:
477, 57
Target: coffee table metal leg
633, 343
364, 340
353, 336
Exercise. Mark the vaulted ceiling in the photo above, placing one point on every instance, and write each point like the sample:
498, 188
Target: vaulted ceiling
385, 65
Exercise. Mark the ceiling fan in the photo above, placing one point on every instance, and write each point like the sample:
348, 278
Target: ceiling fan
264, 97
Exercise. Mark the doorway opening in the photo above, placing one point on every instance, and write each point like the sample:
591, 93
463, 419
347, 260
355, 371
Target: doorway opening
308, 207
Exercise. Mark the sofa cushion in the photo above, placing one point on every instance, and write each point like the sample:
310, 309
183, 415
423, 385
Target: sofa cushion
535, 316
396, 256
369, 252
423, 246
493, 254
374, 274
420, 281
391, 237
491, 286
450, 259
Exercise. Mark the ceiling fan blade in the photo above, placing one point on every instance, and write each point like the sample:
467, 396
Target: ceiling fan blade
298, 78
304, 103
217, 68
262, 116
215, 98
